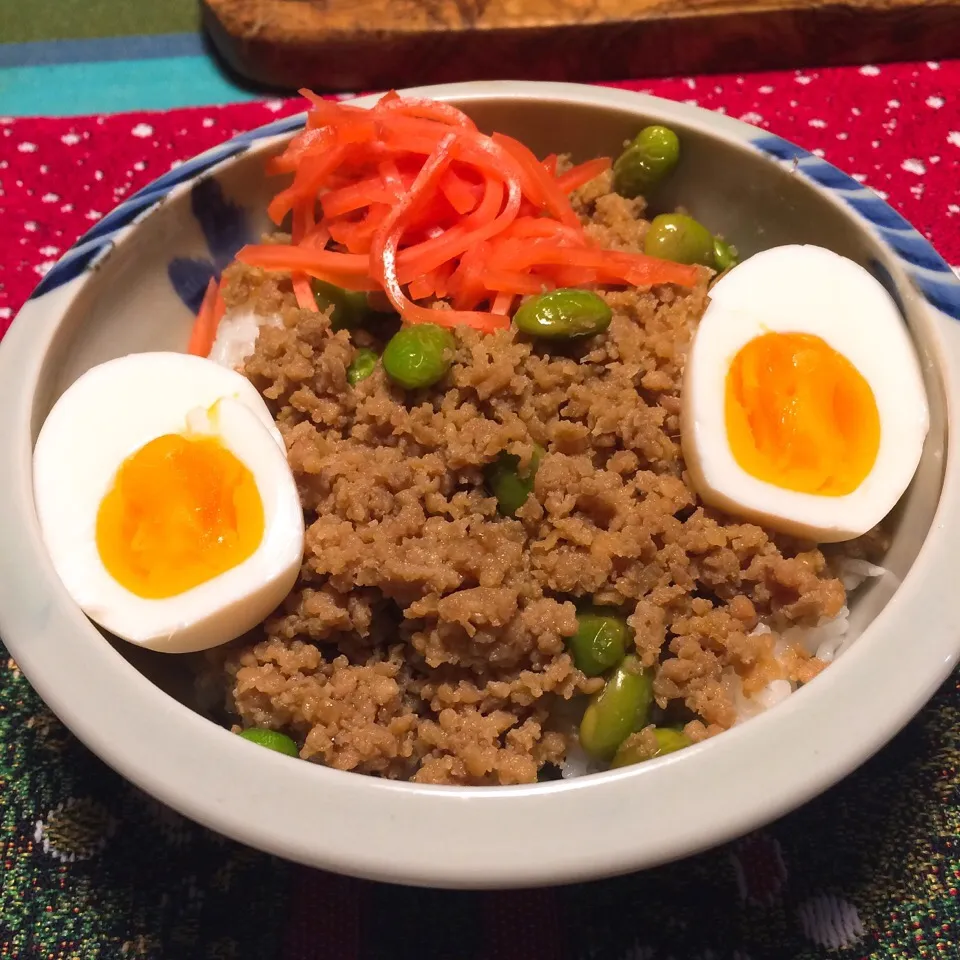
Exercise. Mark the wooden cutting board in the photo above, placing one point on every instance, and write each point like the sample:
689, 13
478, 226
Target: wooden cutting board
376, 44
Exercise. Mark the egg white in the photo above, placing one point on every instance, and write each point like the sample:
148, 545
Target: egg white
110, 413
804, 289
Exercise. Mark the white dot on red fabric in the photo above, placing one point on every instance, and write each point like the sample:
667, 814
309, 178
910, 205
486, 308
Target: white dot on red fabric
933, 65
913, 166
803, 79
70, 139
869, 70
5, 313
49, 251
935, 103
50, 198
208, 122
142, 130
954, 137
26, 147
766, 88
44, 267
893, 104
93, 214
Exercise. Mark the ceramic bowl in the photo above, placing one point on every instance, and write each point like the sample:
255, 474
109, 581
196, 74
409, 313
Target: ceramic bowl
132, 284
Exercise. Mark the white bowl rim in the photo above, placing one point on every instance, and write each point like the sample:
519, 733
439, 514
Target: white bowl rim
472, 837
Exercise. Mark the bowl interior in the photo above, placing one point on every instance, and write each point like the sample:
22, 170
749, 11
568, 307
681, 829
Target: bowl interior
129, 305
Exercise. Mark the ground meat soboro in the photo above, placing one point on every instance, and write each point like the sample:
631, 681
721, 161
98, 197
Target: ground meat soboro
426, 638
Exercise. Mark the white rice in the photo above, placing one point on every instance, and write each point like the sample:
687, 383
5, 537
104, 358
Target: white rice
852, 572
577, 762
237, 336
826, 641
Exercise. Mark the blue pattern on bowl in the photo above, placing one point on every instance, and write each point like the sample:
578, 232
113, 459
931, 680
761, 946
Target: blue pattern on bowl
929, 272
98, 240
224, 227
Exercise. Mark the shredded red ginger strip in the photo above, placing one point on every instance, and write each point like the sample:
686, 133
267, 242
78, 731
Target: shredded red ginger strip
211, 312
419, 203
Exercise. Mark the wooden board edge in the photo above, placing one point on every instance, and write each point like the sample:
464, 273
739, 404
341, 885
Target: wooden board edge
675, 44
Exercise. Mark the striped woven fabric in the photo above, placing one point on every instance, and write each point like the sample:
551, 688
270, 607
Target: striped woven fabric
67, 57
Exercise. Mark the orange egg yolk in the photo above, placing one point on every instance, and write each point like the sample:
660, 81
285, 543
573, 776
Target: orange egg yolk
799, 415
182, 511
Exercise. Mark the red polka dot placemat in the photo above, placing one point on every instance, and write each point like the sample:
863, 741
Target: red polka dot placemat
94, 869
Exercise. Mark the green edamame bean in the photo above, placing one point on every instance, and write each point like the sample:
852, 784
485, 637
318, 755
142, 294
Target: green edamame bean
364, 363
419, 355
621, 707
600, 640
349, 306
649, 158
677, 237
272, 740
668, 740
563, 314
507, 485
724, 255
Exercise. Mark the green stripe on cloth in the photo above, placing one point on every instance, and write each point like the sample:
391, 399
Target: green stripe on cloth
65, 19
72, 89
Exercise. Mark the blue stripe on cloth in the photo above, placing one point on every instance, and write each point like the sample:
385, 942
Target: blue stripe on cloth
100, 49
70, 89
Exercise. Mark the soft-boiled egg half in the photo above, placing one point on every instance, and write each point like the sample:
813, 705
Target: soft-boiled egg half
166, 501
803, 406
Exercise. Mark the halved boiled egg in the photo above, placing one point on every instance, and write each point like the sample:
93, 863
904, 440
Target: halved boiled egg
166, 501
803, 406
